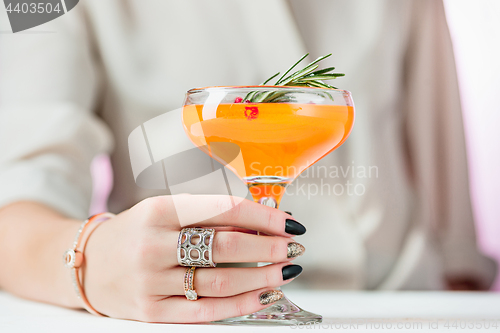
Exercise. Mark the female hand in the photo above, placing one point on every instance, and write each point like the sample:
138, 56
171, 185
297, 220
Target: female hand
131, 268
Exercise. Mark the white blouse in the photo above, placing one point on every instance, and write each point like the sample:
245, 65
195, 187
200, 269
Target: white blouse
78, 86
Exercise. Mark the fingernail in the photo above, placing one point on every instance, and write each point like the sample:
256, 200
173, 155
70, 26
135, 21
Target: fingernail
289, 213
271, 296
294, 228
294, 250
291, 271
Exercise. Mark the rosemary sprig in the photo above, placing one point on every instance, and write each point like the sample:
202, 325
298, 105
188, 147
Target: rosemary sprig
306, 77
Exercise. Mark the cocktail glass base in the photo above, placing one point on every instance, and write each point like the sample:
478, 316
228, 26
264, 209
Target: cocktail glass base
282, 312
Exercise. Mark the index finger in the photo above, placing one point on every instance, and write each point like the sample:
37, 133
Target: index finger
223, 210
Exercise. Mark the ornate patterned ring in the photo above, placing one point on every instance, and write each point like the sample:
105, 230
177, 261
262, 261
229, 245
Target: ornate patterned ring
194, 247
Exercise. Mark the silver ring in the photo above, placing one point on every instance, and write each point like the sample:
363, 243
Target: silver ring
194, 247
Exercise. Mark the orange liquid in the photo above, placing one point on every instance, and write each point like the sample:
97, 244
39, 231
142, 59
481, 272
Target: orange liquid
268, 139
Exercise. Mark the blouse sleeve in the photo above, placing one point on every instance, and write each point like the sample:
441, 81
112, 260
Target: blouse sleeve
436, 144
48, 131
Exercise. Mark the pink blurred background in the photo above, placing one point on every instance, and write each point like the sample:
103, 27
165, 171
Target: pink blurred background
474, 28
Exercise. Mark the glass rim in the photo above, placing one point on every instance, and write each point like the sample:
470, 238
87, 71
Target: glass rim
195, 90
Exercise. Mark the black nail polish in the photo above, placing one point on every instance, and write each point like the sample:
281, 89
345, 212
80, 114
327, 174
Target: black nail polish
291, 271
293, 227
289, 213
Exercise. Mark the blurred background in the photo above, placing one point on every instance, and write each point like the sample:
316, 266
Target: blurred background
474, 28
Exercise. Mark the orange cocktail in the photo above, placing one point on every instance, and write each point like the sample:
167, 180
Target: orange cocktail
268, 144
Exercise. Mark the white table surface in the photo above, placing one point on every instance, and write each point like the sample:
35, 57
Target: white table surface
349, 311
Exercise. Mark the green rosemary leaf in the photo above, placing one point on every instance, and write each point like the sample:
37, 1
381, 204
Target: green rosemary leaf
316, 84
323, 71
274, 96
328, 95
306, 77
320, 77
250, 96
272, 77
280, 100
306, 70
298, 75
325, 85
319, 84
318, 60
262, 96
289, 69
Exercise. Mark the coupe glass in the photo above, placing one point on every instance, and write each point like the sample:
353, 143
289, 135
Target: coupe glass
275, 139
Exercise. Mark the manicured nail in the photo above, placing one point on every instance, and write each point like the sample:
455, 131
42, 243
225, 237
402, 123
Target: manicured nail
289, 213
291, 271
293, 227
271, 296
295, 250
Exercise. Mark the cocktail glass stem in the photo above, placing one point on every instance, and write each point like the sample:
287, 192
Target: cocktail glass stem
282, 312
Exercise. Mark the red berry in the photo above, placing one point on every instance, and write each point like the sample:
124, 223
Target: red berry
238, 100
